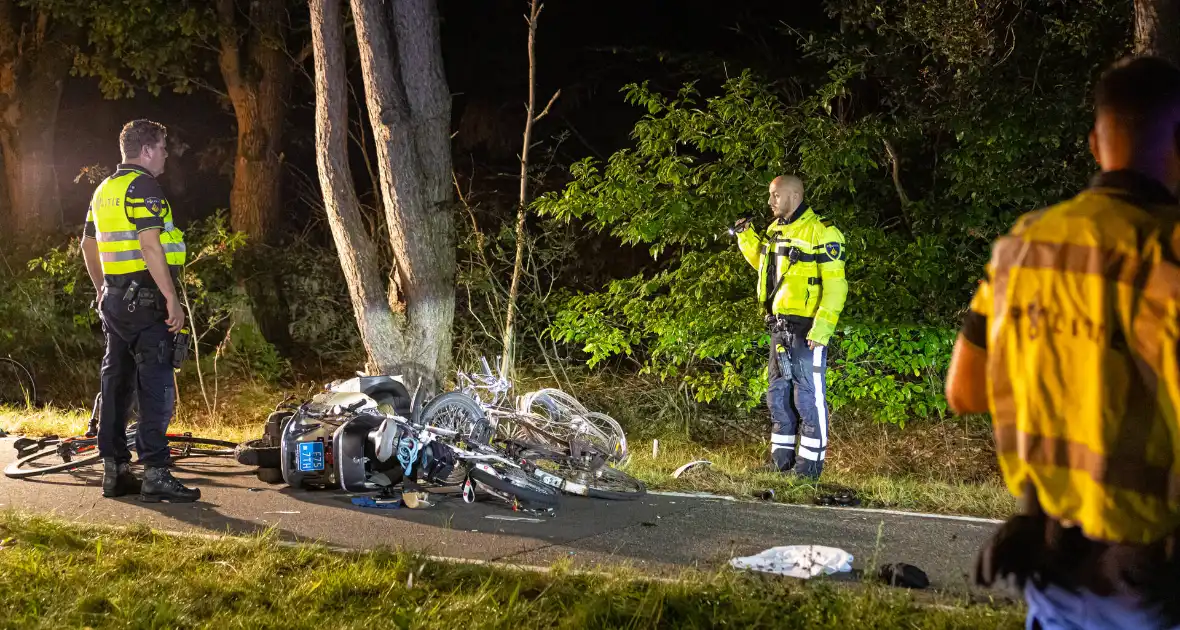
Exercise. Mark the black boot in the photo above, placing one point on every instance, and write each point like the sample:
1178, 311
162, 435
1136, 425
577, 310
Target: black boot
117, 479
160, 485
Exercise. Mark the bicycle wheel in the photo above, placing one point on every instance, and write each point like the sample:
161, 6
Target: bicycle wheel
512, 483
74, 453
587, 476
190, 445
552, 403
526, 429
63, 456
615, 440
454, 411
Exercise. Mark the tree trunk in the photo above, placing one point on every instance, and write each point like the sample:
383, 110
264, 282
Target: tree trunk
409, 111
358, 253
257, 80
1157, 28
26, 137
33, 64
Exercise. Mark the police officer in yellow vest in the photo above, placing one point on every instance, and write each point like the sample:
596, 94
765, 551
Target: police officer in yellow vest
134, 254
801, 287
1072, 344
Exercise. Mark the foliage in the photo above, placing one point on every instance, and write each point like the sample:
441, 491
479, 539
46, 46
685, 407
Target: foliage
139, 44
930, 127
318, 305
48, 319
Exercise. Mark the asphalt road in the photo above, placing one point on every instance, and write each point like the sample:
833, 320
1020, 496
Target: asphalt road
657, 534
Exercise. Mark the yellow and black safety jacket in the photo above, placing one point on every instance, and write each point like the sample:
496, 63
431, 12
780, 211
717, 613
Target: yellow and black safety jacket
800, 265
125, 204
1080, 318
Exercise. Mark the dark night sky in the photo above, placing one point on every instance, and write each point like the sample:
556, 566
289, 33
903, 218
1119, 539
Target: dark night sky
579, 48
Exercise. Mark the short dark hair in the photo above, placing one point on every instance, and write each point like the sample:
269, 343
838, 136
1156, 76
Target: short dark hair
138, 134
1139, 91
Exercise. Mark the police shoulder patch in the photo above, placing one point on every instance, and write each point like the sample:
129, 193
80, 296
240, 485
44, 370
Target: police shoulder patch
834, 250
154, 205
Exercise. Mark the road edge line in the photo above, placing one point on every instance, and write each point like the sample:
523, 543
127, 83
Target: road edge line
727, 497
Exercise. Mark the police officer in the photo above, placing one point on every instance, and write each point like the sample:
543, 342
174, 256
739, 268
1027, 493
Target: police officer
134, 254
1071, 343
801, 287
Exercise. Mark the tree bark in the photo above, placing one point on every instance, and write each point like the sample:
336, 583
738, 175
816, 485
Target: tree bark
257, 80
358, 253
1157, 28
407, 99
35, 58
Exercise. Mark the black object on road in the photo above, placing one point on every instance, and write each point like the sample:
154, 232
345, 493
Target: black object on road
903, 575
844, 497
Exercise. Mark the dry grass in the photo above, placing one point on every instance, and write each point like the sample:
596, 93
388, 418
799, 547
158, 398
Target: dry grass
239, 416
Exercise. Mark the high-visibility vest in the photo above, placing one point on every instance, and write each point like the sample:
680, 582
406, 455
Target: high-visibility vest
1081, 308
800, 270
120, 210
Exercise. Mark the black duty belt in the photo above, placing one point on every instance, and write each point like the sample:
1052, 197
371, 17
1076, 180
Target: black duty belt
793, 324
137, 296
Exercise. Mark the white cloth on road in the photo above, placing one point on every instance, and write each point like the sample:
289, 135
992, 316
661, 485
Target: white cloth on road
799, 561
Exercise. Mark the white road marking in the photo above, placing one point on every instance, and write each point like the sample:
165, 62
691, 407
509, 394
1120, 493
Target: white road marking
946, 517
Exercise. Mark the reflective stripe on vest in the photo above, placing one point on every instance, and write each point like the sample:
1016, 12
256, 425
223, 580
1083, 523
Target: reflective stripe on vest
1083, 377
116, 233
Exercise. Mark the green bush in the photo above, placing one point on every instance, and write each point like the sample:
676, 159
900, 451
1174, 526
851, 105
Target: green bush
917, 137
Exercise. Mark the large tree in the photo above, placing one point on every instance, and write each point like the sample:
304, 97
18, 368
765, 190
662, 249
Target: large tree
35, 57
257, 70
1157, 28
406, 327
253, 47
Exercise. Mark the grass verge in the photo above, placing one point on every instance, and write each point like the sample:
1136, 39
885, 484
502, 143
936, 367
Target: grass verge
57, 575
737, 470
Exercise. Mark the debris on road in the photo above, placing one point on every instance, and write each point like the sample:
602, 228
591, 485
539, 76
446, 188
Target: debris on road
798, 561
370, 502
522, 519
903, 575
3, 433
683, 469
416, 500
765, 495
843, 497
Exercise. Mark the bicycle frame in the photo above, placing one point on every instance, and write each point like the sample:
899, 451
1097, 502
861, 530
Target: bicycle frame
495, 384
